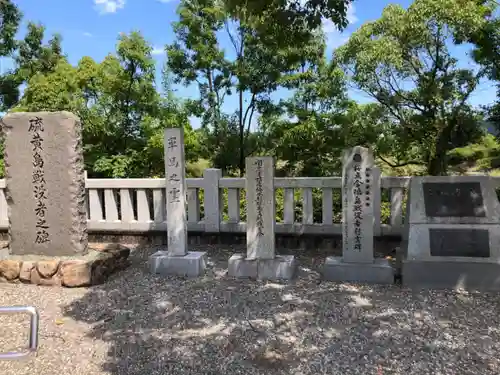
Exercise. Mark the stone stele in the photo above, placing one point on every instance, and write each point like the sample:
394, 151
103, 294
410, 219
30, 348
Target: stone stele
261, 261
360, 179
45, 184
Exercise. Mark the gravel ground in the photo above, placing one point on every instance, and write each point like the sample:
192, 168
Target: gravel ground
141, 324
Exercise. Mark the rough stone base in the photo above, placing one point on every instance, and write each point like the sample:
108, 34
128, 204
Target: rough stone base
451, 275
193, 264
282, 267
76, 271
378, 272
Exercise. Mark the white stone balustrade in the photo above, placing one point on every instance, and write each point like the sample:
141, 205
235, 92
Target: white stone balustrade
137, 205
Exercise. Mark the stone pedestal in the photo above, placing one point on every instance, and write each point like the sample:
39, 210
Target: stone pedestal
360, 181
379, 271
261, 261
176, 260
192, 264
93, 268
453, 234
451, 275
282, 267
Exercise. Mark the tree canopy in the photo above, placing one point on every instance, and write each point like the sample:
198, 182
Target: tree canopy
265, 84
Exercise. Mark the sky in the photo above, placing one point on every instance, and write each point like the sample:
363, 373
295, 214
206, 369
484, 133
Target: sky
91, 28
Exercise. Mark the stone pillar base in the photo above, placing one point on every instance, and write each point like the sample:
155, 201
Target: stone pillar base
282, 267
483, 276
192, 264
378, 272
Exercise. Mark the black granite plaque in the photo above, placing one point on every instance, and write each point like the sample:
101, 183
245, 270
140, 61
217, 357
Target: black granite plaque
460, 242
453, 199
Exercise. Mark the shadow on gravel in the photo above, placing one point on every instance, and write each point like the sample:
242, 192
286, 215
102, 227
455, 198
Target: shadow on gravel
216, 325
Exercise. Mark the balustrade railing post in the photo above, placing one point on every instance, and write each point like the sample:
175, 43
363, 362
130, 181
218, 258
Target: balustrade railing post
87, 209
212, 200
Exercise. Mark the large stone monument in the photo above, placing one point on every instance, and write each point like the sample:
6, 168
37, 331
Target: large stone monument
360, 179
453, 233
45, 184
45, 192
261, 261
177, 260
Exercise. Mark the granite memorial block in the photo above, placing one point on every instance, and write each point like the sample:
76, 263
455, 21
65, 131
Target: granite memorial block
176, 260
261, 260
45, 185
358, 185
453, 233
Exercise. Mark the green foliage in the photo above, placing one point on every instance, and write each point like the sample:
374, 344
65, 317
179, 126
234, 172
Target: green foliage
403, 61
253, 69
419, 122
483, 155
119, 107
10, 17
289, 14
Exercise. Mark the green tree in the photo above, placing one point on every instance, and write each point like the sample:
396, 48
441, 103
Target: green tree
306, 131
403, 61
123, 114
282, 21
252, 70
10, 17
487, 54
31, 57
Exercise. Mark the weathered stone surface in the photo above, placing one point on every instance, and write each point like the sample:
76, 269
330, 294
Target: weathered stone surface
46, 201
53, 281
76, 273
91, 269
25, 274
9, 269
47, 268
37, 279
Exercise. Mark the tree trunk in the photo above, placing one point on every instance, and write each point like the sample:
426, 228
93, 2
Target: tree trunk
438, 161
241, 163
437, 165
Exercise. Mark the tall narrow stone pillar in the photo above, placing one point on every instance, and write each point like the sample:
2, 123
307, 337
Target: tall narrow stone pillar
261, 260
176, 259
357, 263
